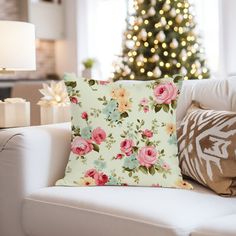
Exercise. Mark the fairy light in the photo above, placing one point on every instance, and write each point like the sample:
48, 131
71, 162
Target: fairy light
155, 41
146, 22
189, 54
146, 44
166, 76
153, 50
176, 28
185, 77
183, 43
157, 25
161, 12
136, 27
167, 65
134, 53
132, 76
150, 74
149, 34
135, 38
186, 5
139, 63
145, 59
165, 53
164, 45
178, 65
130, 54
179, 4
167, 27
200, 77
177, 11
204, 70
185, 16
143, 12
181, 30
185, 10
173, 54
131, 59
142, 70
129, 36
161, 63
170, 22
138, 44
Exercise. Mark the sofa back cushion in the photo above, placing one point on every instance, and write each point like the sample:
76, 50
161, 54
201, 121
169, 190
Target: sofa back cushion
212, 93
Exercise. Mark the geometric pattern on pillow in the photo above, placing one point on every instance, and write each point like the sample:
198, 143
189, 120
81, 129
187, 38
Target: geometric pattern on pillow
207, 148
123, 134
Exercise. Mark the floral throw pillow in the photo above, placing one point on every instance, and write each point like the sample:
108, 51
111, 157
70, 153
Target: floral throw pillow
123, 134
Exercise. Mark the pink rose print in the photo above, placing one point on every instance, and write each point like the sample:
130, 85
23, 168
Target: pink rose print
146, 109
98, 135
81, 146
104, 82
84, 115
101, 179
74, 100
144, 102
147, 133
147, 156
165, 93
126, 146
91, 173
166, 166
119, 156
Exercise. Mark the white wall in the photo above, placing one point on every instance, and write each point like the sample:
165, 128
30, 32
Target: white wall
66, 50
228, 36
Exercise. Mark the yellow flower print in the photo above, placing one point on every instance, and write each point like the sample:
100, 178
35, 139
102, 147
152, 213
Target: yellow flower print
86, 181
124, 105
170, 128
183, 184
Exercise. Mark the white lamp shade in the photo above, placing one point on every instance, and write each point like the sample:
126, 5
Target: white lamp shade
17, 46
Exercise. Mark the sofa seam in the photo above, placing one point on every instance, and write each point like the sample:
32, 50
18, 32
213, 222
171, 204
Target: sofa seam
110, 214
4, 145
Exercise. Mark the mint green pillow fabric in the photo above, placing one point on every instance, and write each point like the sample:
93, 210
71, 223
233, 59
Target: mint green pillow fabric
123, 133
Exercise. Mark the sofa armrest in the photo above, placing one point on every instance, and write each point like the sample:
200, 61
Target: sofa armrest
30, 158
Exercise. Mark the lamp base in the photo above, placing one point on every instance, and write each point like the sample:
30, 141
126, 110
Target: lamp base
4, 71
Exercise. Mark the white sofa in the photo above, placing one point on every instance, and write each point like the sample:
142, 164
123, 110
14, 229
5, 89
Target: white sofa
33, 158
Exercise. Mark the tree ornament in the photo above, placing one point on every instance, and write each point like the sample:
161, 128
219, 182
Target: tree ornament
143, 34
154, 58
130, 44
161, 36
139, 21
183, 53
174, 44
127, 70
157, 72
172, 13
198, 64
166, 7
151, 11
153, 2
179, 18
183, 71
140, 58
163, 21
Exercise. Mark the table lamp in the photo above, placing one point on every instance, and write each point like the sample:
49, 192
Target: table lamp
17, 53
17, 46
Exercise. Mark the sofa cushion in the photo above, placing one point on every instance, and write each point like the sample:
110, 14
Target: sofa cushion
117, 211
222, 226
123, 134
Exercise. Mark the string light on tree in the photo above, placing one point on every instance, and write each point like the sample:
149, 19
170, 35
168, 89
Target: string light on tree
161, 41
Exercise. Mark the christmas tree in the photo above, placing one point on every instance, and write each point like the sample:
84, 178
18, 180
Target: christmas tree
161, 41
